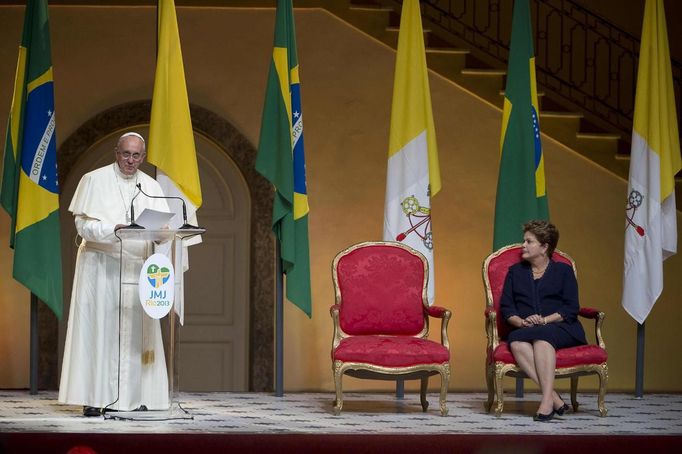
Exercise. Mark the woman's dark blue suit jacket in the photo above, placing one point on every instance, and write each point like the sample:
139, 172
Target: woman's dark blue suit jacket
557, 291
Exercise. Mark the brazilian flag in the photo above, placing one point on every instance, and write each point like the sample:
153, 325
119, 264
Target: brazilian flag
521, 192
281, 159
30, 188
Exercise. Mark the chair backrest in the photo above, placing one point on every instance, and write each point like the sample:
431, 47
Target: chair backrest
495, 268
381, 289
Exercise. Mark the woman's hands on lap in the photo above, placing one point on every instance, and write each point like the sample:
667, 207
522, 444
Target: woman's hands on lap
533, 320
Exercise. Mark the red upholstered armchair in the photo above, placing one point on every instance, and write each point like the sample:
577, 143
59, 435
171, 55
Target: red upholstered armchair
570, 362
381, 319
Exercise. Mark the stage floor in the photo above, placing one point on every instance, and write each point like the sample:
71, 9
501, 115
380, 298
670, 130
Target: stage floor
363, 413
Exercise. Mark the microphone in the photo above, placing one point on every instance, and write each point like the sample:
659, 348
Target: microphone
133, 224
185, 224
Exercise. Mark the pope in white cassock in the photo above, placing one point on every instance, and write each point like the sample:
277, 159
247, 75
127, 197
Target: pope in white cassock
107, 365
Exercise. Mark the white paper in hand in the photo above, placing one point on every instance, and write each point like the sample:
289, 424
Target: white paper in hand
153, 219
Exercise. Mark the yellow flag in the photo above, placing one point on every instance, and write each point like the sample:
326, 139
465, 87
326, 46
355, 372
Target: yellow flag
651, 214
413, 173
171, 140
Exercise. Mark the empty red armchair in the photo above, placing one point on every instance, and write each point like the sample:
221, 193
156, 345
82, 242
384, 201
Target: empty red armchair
381, 319
570, 362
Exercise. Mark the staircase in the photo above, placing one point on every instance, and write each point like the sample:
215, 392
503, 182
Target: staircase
602, 136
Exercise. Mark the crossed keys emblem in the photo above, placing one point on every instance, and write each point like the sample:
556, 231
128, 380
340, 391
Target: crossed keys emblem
419, 218
634, 201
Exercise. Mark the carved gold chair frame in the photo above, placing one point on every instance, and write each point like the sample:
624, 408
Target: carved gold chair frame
496, 370
375, 372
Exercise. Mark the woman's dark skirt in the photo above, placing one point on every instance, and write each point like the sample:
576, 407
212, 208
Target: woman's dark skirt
551, 333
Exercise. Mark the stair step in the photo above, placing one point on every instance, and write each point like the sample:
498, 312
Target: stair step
446, 62
371, 8
372, 20
598, 136
363, 3
486, 83
484, 72
560, 115
390, 36
591, 144
396, 29
540, 93
447, 51
541, 96
562, 126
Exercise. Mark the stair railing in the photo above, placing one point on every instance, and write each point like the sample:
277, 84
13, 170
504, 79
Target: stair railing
583, 60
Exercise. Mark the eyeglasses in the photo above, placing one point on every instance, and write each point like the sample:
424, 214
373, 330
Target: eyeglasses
128, 155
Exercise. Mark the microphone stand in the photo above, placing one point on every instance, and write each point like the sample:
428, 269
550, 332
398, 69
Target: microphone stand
133, 224
185, 224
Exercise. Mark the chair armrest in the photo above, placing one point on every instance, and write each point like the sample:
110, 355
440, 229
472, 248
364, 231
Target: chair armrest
491, 328
336, 339
598, 317
436, 311
589, 312
444, 315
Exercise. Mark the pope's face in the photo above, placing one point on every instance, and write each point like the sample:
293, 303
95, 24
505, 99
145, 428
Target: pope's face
130, 154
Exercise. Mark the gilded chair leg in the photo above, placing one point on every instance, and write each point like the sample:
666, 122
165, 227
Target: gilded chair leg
491, 388
444, 381
574, 393
603, 373
338, 375
422, 393
499, 390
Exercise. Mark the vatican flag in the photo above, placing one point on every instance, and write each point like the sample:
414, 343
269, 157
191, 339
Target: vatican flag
651, 217
413, 173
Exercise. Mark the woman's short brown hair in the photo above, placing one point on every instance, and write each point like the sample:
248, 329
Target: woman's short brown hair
545, 232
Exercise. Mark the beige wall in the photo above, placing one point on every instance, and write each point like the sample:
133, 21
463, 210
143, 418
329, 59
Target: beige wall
104, 57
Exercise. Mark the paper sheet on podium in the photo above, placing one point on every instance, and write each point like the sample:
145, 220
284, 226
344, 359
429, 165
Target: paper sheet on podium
153, 219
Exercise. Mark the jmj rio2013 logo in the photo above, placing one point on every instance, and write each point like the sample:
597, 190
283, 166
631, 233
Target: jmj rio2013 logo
156, 286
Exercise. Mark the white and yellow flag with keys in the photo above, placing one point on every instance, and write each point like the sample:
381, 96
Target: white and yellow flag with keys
413, 175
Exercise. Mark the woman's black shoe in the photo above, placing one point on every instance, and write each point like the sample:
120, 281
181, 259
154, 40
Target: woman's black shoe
543, 418
561, 410
91, 411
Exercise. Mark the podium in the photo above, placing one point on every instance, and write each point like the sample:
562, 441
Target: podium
151, 309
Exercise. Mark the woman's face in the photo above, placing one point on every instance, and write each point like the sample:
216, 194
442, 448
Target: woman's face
532, 249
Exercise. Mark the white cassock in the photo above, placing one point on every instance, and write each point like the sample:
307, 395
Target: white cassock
91, 374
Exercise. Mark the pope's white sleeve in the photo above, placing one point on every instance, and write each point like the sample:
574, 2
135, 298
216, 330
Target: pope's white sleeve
91, 229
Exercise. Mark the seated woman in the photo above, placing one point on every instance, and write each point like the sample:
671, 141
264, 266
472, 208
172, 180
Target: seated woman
540, 300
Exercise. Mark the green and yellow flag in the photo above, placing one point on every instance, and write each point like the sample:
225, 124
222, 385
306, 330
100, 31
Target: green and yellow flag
281, 159
30, 188
521, 193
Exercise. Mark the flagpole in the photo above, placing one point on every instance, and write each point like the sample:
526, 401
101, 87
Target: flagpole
519, 387
33, 368
156, 54
639, 368
279, 326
